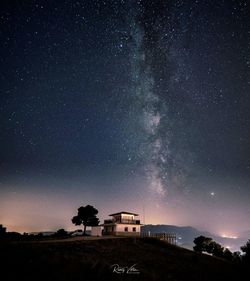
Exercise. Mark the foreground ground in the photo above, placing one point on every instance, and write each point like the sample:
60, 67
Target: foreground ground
83, 260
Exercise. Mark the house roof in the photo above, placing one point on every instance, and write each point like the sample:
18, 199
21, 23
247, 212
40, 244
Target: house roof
123, 212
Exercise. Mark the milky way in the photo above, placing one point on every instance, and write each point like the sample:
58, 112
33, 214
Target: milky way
126, 103
187, 99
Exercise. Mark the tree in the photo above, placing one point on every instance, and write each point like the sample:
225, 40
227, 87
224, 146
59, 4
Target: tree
246, 250
2, 230
201, 243
86, 216
217, 249
237, 257
228, 255
206, 244
210, 247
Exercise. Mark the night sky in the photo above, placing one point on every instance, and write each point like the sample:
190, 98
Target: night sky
125, 105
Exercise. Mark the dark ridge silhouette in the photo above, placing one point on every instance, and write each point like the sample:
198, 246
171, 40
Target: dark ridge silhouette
94, 260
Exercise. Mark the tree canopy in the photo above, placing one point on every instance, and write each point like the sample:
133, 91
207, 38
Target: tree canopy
86, 216
206, 244
202, 243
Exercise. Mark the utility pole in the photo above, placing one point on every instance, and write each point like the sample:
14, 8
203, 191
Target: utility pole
143, 208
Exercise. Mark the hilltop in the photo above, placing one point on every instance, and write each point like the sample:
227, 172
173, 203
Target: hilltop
82, 259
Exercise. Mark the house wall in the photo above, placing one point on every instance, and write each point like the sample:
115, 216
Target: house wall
110, 229
119, 230
96, 230
121, 227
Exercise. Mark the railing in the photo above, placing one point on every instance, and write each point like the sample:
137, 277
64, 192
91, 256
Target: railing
122, 221
108, 221
168, 237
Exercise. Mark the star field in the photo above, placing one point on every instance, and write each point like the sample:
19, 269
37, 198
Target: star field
102, 99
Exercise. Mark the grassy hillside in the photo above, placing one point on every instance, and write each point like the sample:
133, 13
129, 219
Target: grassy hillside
93, 260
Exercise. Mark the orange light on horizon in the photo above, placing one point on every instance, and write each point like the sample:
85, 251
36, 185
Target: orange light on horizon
228, 236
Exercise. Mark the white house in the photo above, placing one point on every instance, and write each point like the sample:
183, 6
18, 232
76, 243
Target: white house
122, 224
96, 230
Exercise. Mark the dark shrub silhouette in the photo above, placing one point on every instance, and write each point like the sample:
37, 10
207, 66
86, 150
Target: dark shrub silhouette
201, 244
246, 250
205, 244
14, 235
228, 255
217, 250
2, 230
237, 257
61, 233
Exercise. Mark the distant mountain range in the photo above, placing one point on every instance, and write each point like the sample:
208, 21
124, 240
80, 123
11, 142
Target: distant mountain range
185, 235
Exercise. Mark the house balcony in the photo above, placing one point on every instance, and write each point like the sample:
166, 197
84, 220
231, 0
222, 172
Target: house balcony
108, 221
122, 221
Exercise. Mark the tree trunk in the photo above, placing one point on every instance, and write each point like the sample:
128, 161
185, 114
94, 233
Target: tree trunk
84, 230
